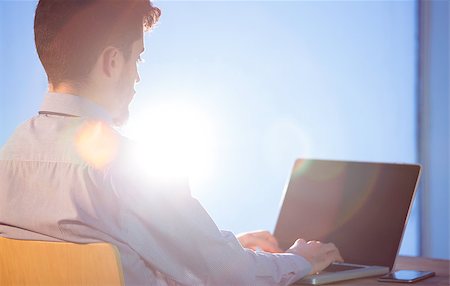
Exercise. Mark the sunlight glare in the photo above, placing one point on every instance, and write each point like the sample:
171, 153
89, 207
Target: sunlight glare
175, 140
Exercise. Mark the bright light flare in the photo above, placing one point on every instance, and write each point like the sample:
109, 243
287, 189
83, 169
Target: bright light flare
96, 143
175, 140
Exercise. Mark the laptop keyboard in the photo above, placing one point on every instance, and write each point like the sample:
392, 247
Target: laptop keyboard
340, 267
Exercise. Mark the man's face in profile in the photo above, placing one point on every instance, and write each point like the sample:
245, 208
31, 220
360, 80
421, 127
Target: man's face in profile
125, 87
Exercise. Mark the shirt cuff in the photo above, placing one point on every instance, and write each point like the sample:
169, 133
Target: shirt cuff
299, 265
280, 268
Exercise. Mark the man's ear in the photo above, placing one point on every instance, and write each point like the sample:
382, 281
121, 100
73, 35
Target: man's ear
111, 60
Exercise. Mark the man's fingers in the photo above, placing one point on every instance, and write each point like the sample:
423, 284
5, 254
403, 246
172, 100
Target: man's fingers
329, 250
329, 247
261, 233
338, 256
300, 241
265, 244
264, 234
262, 240
333, 253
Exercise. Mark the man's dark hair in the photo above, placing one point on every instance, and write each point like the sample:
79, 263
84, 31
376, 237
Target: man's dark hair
71, 34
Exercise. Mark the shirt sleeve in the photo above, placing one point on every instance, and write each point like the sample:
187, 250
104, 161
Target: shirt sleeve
174, 235
275, 269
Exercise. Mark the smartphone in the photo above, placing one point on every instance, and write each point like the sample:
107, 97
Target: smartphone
406, 276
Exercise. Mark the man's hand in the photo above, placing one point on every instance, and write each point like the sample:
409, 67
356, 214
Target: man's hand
320, 255
262, 239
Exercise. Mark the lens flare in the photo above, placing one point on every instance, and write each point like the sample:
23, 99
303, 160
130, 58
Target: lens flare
301, 166
341, 206
96, 143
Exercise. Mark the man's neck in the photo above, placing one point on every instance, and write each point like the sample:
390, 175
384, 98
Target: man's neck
66, 88
78, 91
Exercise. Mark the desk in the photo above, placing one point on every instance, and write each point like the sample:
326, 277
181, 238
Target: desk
441, 267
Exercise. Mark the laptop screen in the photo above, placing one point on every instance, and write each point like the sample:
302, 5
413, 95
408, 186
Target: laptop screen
360, 207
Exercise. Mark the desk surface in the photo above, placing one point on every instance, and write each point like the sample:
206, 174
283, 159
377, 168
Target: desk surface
441, 267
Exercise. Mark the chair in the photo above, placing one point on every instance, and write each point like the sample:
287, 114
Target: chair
28, 262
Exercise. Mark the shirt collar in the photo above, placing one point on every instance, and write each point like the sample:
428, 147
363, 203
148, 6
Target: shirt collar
74, 105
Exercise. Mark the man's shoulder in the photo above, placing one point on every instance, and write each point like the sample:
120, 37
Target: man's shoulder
64, 139
14, 146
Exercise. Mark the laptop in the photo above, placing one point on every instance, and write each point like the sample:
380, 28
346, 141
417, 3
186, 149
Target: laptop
361, 207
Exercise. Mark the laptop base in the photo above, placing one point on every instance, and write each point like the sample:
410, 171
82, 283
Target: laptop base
358, 271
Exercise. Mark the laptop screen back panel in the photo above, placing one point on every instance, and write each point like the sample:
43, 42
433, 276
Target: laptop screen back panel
361, 207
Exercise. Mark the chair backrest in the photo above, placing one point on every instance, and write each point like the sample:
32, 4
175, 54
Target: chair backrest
28, 262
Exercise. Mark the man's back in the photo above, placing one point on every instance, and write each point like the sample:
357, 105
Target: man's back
67, 175
49, 192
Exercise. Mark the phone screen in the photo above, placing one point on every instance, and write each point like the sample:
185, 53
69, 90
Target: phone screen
406, 276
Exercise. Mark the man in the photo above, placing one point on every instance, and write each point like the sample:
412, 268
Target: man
67, 175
